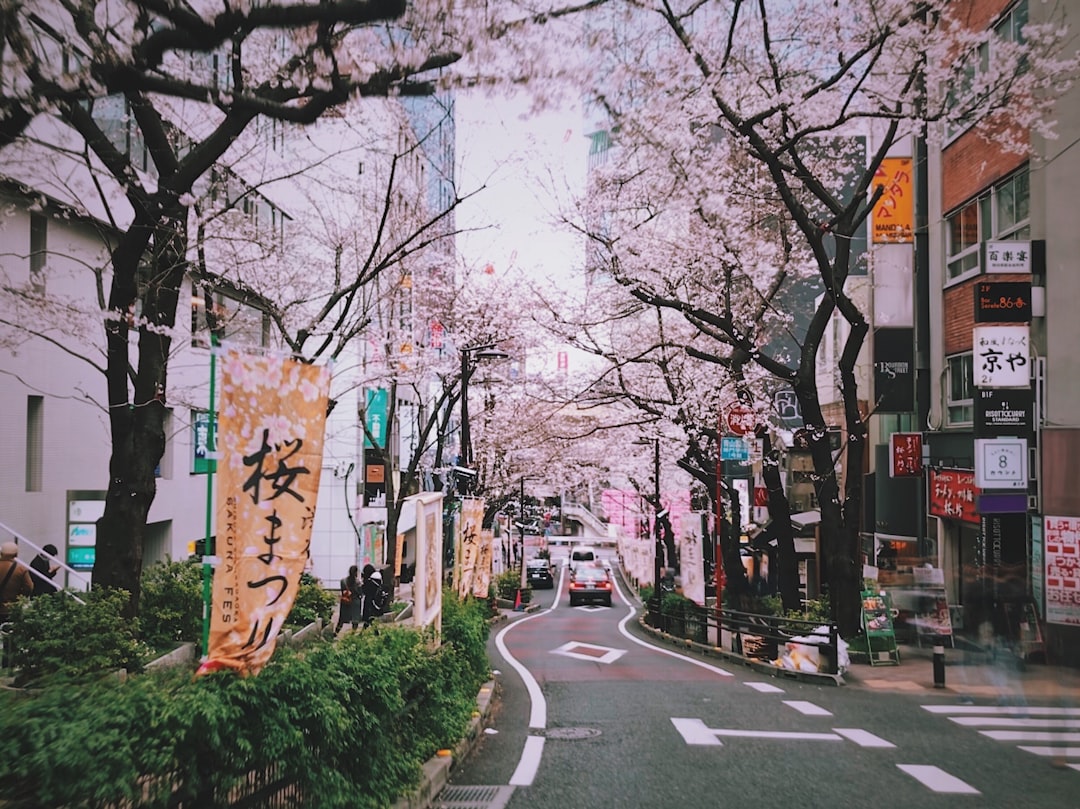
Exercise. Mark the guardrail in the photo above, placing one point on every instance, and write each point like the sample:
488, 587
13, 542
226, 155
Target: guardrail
748, 635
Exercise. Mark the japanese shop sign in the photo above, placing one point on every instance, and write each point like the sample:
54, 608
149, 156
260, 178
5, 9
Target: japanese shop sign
1001, 356
1003, 302
1010, 256
1061, 555
1001, 463
952, 494
894, 213
734, 448
272, 424
1004, 412
905, 455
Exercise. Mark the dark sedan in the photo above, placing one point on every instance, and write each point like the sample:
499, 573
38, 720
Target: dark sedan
591, 582
538, 573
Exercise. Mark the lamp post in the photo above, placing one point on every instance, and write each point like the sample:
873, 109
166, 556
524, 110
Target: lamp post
658, 512
522, 582
469, 356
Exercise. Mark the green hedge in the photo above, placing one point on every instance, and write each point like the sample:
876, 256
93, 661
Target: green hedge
350, 722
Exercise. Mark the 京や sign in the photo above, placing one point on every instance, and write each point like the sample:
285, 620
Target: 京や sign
1001, 356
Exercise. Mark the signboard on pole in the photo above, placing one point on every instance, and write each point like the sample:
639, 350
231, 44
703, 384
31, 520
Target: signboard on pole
1002, 356
1003, 302
952, 495
741, 419
1001, 463
905, 455
1061, 552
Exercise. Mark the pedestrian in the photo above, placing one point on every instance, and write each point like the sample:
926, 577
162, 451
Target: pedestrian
15, 580
45, 563
349, 602
374, 601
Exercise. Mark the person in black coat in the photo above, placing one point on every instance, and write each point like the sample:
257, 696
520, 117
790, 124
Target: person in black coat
349, 603
373, 595
45, 564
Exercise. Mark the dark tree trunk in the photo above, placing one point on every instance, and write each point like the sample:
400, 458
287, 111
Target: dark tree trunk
138, 425
780, 516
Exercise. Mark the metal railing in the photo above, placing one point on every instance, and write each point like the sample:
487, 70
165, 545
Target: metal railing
750, 635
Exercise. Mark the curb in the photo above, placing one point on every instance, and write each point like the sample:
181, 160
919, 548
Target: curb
757, 665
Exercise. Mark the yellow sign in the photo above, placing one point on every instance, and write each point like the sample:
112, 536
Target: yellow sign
270, 438
894, 213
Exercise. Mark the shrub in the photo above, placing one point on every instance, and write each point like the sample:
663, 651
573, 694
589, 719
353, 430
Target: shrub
507, 584
348, 722
56, 635
313, 603
171, 604
465, 626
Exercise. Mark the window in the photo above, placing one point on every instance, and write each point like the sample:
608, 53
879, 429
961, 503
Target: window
238, 322
35, 441
961, 400
965, 92
1002, 213
39, 231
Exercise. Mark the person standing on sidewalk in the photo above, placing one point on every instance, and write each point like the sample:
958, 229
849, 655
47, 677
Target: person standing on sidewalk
349, 605
15, 579
45, 563
374, 601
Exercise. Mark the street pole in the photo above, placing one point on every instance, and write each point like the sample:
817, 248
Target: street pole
519, 603
466, 441
658, 550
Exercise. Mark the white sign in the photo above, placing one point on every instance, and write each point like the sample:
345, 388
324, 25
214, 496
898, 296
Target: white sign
1001, 356
1061, 553
1011, 256
1001, 463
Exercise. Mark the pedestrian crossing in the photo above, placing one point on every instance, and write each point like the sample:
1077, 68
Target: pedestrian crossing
1046, 731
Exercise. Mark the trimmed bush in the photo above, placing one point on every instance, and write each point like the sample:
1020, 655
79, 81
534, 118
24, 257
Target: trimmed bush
349, 723
171, 604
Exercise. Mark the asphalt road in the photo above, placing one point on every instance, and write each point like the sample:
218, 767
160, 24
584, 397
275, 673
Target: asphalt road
590, 714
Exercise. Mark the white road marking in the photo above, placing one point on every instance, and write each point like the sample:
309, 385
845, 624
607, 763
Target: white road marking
1062, 752
863, 738
806, 708
765, 688
694, 731
608, 655
1029, 736
530, 762
937, 779
1013, 722
1002, 710
538, 710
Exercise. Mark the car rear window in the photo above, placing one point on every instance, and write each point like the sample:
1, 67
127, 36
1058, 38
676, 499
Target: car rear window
582, 555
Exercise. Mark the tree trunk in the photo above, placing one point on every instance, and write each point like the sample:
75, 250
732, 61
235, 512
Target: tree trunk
138, 425
780, 516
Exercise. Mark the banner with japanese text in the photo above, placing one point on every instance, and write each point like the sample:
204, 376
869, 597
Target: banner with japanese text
692, 569
468, 544
482, 575
1061, 558
427, 584
271, 425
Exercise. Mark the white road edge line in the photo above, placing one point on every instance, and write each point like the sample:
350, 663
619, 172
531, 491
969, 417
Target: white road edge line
937, 779
626, 634
538, 709
530, 762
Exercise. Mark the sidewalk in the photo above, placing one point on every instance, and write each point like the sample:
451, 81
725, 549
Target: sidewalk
970, 675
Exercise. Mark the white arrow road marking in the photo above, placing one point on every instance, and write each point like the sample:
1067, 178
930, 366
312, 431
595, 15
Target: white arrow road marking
937, 779
806, 708
765, 688
863, 738
696, 732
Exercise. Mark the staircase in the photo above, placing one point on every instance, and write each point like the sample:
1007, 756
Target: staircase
592, 524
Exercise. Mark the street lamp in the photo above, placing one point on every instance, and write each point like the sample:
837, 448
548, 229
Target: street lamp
523, 582
658, 513
469, 356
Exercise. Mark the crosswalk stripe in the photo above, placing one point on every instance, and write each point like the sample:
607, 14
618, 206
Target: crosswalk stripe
766, 688
1010, 722
1029, 736
1062, 752
806, 708
1003, 710
937, 779
863, 738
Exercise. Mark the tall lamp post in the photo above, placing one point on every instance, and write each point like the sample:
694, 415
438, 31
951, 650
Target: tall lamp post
658, 512
469, 357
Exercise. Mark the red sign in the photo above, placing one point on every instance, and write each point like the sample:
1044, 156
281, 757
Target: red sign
952, 494
761, 496
905, 455
741, 419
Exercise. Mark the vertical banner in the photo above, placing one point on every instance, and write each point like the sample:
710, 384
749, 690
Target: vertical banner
1061, 556
894, 213
427, 585
468, 544
270, 439
692, 569
482, 575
